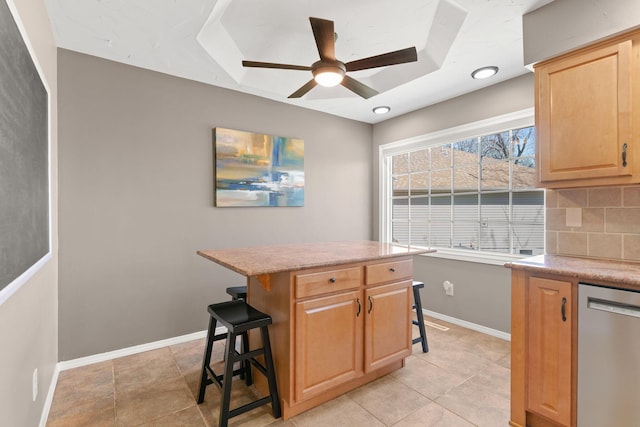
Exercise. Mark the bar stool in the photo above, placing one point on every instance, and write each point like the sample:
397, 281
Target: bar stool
417, 304
239, 317
237, 292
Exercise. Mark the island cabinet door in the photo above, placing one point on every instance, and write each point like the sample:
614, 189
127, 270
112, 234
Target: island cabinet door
328, 342
387, 324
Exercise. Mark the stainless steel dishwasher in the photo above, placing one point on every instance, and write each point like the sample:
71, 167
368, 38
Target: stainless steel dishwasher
608, 357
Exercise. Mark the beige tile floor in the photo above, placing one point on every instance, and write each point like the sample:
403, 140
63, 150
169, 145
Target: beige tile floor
463, 381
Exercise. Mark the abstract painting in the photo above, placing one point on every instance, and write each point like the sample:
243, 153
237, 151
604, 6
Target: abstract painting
254, 169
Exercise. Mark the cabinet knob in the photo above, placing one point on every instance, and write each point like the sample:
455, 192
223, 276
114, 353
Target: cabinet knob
332, 280
393, 270
624, 155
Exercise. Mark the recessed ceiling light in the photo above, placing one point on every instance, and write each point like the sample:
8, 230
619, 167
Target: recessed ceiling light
383, 109
484, 72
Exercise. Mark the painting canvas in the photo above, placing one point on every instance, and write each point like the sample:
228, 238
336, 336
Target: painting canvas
254, 169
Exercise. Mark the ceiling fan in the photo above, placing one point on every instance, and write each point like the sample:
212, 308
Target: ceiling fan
329, 71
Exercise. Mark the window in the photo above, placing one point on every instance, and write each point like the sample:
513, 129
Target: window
469, 191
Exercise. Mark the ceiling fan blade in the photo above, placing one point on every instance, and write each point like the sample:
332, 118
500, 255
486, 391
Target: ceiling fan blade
304, 89
257, 64
325, 38
391, 58
358, 88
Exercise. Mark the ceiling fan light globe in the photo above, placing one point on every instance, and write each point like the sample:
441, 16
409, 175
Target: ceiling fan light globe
329, 78
328, 74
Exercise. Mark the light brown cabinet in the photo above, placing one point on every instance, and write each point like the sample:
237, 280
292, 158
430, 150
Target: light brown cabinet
550, 349
543, 350
330, 330
328, 343
336, 328
386, 338
587, 113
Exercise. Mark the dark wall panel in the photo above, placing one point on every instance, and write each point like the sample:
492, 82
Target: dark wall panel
24, 171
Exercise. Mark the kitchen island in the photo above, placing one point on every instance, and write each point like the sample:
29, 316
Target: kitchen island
341, 313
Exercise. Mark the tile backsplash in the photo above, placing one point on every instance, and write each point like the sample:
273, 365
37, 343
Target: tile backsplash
608, 218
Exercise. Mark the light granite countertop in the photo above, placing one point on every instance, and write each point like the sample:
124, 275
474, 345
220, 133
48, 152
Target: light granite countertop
259, 260
586, 270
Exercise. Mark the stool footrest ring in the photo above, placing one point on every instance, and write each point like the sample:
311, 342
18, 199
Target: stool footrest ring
249, 406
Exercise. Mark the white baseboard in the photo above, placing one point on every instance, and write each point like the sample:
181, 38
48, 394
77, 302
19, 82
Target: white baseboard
101, 357
110, 355
474, 326
47, 403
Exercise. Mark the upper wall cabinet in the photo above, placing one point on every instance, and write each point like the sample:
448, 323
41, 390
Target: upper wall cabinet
588, 114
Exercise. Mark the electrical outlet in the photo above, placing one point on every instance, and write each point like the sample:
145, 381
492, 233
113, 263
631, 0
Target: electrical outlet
34, 384
448, 287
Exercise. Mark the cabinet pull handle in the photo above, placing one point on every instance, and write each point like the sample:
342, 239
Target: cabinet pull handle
370, 304
563, 310
393, 270
359, 307
624, 155
332, 280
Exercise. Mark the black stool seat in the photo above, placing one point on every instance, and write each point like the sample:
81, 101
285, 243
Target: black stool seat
417, 304
239, 317
237, 292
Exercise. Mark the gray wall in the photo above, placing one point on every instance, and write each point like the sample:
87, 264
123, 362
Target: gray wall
29, 317
136, 198
564, 25
482, 292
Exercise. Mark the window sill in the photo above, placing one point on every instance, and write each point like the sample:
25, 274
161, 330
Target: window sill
473, 256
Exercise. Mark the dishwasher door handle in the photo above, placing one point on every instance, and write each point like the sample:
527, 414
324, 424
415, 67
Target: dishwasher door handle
613, 307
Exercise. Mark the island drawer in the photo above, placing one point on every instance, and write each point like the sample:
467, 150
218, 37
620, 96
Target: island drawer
327, 281
388, 272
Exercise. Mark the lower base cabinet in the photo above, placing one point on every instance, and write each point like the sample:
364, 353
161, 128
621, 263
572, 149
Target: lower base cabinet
328, 343
388, 311
335, 328
543, 350
550, 349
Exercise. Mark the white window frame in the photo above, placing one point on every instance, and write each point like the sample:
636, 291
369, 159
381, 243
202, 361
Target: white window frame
497, 124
